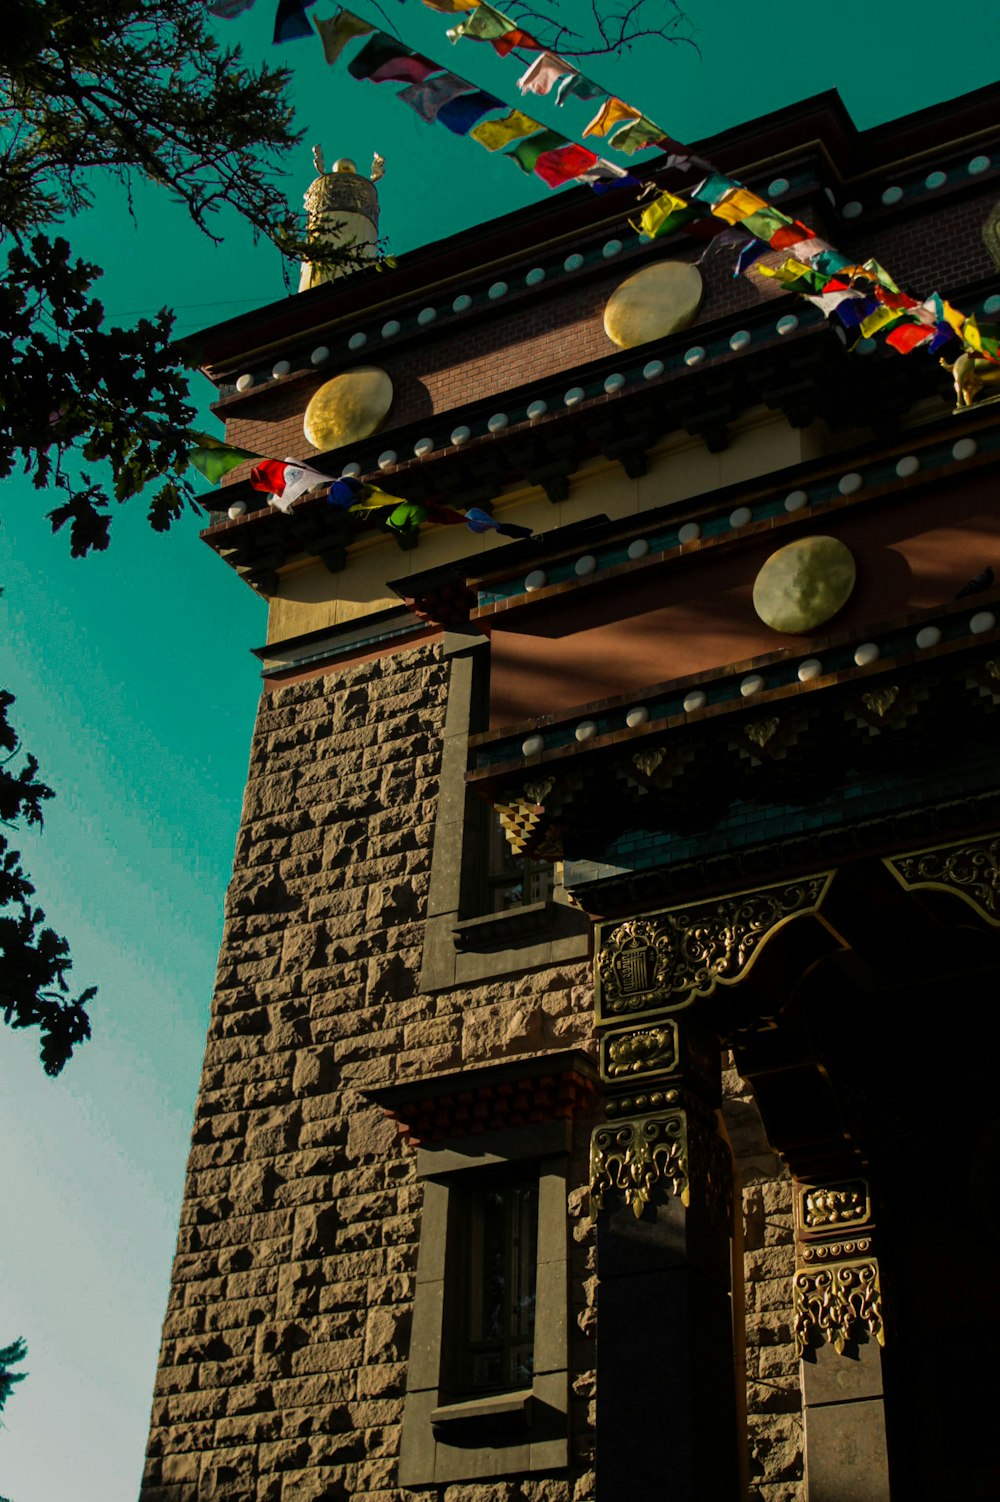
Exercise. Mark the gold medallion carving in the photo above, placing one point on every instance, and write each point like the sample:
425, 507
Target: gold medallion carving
804, 583
658, 300
828, 1210
667, 959
350, 407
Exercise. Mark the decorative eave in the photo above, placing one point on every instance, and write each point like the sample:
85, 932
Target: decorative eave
806, 375
683, 768
470, 1102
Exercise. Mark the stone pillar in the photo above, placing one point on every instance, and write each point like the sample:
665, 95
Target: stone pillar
661, 1183
838, 1328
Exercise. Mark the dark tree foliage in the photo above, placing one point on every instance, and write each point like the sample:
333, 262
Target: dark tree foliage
11, 1355
91, 412
34, 960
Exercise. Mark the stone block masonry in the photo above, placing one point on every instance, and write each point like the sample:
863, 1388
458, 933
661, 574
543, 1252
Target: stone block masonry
283, 1365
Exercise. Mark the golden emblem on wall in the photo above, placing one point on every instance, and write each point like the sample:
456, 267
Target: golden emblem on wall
658, 300
350, 407
804, 583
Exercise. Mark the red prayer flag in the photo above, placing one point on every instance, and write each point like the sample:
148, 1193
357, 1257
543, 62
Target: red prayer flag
564, 164
516, 38
906, 336
789, 235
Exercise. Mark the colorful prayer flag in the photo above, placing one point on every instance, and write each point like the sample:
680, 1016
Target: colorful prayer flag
637, 136
574, 84
564, 164
460, 115
513, 39
484, 25
384, 60
737, 204
907, 336
611, 113
527, 154
285, 480
213, 458
290, 20
543, 74
496, 133
665, 215
336, 31
429, 97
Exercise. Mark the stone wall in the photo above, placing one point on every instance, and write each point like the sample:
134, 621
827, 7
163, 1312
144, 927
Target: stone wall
283, 1366
282, 1370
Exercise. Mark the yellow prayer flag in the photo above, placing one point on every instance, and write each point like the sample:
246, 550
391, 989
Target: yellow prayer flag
736, 205
880, 319
496, 133
451, 7
653, 218
611, 113
953, 316
789, 271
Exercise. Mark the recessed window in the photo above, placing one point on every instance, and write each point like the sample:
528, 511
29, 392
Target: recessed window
510, 881
497, 1252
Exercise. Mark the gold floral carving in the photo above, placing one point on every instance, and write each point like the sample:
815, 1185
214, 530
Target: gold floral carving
761, 731
668, 959
970, 870
648, 761
832, 1209
837, 1304
880, 700
641, 1051
640, 1158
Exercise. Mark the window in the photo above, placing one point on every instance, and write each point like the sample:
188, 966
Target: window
496, 1247
508, 881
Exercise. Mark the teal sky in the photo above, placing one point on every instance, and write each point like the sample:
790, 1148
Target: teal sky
136, 691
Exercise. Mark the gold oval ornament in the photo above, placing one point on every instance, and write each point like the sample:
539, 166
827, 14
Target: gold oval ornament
350, 407
656, 301
804, 583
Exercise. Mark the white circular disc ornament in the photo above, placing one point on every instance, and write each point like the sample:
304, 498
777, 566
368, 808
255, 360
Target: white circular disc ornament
739, 340
612, 248
983, 620
992, 305
533, 745
244, 382
357, 341
537, 410
740, 517
892, 195
498, 290
426, 316
852, 210
907, 466
935, 180
694, 356
237, 509
586, 730
928, 636
866, 654
281, 368
778, 187
534, 276
652, 369
423, 446
320, 355
585, 565
391, 328
498, 422
850, 484
574, 396
979, 164
796, 501
697, 699
614, 383
573, 262
787, 325
462, 303
637, 716
637, 548
809, 669
964, 448
537, 579
460, 436
350, 471
388, 459
690, 532
751, 685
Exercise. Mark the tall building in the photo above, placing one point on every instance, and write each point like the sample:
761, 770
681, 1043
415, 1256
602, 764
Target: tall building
599, 1096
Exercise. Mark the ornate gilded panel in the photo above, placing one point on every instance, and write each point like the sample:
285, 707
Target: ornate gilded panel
969, 869
837, 1303
638, 1158
640, 1052
665, 960
824, 1211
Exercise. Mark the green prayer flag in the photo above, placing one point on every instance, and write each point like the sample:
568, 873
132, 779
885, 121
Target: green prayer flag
485, 24
637, 134
336, 31
527, 154
213, 458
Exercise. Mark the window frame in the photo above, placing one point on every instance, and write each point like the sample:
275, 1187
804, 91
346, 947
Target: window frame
450, 1435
